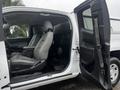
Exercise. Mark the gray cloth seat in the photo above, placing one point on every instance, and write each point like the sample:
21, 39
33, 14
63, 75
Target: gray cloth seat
36, 37
20, 63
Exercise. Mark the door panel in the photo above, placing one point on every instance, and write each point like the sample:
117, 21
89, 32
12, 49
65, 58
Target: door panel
94, 32
88, 36
18, 42
87, 46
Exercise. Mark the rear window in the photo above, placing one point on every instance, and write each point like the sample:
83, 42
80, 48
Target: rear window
87, 19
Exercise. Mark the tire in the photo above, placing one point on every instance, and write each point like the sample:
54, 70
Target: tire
114, 70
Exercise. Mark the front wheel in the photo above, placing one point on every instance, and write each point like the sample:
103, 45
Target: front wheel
114, 70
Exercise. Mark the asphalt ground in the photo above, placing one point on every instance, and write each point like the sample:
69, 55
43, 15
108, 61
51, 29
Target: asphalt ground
73, 84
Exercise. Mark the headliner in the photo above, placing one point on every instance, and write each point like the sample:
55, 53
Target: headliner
33, 18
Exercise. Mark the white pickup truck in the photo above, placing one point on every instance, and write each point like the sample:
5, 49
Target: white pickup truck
47, 42
115, 40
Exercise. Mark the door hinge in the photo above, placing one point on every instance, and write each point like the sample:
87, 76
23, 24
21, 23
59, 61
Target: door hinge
76, 49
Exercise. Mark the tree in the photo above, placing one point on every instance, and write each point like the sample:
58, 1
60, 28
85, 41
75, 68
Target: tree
6, 2
22, 32
12, 3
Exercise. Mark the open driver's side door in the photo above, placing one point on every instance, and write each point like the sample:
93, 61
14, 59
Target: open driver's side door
94, 36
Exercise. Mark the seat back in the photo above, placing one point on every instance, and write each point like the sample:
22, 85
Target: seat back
33, 42
62, 39
37, 33
42, 48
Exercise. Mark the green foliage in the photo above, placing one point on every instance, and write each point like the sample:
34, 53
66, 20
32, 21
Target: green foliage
12, 3
18, 31
6, 2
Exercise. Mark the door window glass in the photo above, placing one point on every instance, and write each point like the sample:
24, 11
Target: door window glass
87, 19
17, 31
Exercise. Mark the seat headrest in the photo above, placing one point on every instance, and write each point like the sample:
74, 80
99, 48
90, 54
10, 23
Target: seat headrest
6, 26
47, 25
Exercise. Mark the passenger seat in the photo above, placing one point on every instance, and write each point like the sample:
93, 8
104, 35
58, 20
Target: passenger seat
22, 64
33, 42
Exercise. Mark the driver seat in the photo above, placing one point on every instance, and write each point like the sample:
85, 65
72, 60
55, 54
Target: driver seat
21, 64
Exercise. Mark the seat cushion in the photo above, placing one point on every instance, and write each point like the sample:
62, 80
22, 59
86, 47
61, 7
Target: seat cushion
19, 62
